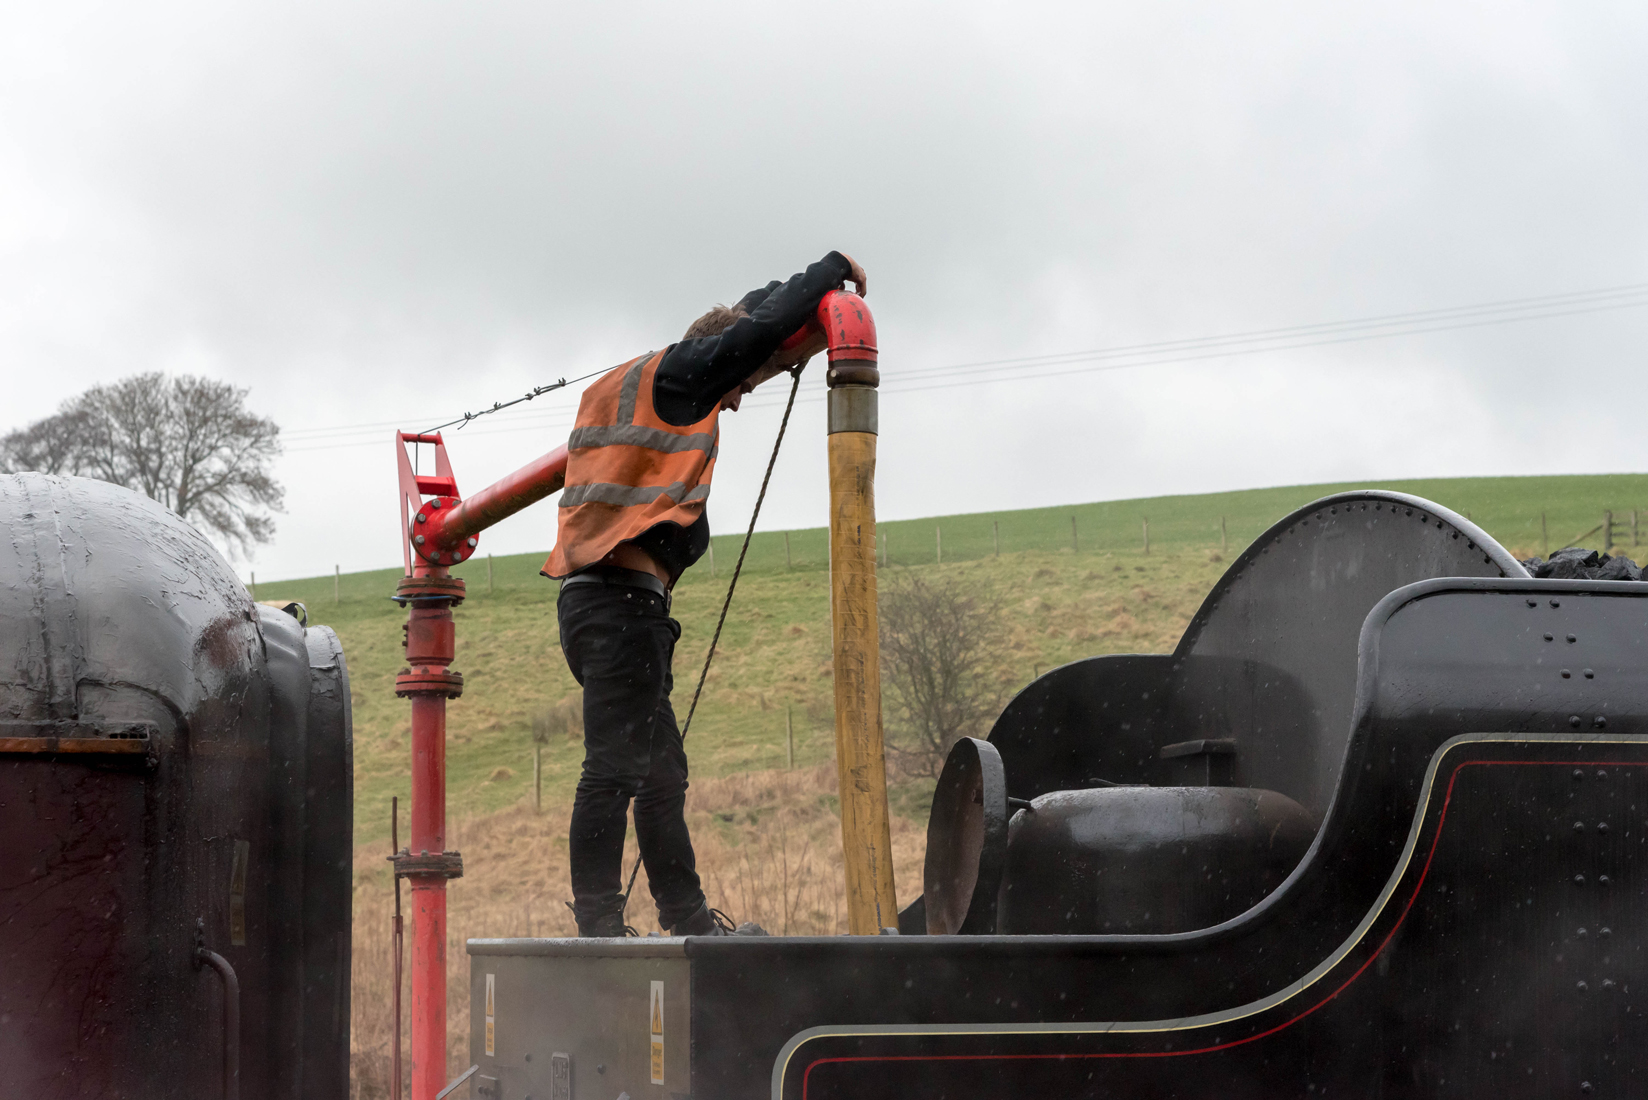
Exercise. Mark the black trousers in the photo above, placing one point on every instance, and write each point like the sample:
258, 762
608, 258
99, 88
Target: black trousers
618, 641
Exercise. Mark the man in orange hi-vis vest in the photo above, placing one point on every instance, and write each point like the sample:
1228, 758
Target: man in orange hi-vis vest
632, 520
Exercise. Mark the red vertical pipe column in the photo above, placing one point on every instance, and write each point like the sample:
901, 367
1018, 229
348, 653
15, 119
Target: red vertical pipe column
428, 682
428, 895
438, 533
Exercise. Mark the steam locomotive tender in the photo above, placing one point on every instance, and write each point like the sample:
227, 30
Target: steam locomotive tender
1375, 828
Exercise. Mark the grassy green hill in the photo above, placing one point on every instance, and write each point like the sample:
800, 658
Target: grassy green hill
767, 839
1072, 596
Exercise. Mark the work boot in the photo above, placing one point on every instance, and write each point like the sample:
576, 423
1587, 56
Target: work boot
712, 922
609, 925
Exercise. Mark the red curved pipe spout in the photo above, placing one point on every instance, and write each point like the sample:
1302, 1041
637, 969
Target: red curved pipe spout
848, 327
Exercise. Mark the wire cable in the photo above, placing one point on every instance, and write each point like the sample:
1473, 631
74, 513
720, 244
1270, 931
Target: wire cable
537, 391
749, 534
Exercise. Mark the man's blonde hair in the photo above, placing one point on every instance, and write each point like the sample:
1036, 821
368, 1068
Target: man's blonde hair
714, 323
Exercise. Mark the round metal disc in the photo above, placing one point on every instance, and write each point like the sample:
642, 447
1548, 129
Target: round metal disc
966, 841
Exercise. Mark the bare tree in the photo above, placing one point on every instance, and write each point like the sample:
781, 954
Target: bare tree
942, 648
54, 445
187, 442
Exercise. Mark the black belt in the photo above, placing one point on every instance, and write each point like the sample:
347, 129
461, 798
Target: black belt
613, 574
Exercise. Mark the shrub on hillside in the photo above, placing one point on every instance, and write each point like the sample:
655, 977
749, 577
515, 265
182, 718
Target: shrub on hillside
942, 646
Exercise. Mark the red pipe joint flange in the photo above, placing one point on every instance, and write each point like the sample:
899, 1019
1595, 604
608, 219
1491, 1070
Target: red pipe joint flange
428, 681
428, 547
434, 864
426, 591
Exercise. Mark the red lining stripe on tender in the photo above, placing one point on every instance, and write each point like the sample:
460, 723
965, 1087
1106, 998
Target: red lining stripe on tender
1430, 855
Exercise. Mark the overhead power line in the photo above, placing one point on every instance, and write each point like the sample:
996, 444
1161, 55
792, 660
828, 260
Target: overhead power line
1120, 357
1509, 309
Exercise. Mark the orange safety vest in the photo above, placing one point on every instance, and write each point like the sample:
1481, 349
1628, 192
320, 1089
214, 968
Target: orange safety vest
628, 470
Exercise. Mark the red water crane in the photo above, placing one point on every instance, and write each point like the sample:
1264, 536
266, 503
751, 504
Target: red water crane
441, 529
440, 532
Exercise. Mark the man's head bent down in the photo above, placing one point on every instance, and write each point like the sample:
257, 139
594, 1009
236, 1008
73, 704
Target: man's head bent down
721, 318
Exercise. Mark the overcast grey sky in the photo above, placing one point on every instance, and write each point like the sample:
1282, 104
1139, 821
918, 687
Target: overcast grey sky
374, 213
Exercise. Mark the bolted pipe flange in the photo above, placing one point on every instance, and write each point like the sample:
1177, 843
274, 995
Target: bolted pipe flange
432, 551
428, 591
432, 864
428, 681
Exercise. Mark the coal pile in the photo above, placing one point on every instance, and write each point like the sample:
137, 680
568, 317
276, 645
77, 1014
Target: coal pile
1583, 565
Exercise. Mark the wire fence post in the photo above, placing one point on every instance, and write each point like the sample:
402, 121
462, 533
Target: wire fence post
489, 574
789, 737
254, 584
1633, 527
712, 558
886, 538
1075, 540
938, 543
1544, 538
1224, 547
336, 571
995, 528
1607, 531
786, 551
1147, 536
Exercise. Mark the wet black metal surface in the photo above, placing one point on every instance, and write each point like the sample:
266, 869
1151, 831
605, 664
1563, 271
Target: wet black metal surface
1135, 860
1269, 661
115, 614
1367, 974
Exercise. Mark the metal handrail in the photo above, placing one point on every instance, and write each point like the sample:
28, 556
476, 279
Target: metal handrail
231, 1019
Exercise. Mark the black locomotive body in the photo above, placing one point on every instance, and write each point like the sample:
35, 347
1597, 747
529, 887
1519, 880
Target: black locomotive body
1459, 752
175, 803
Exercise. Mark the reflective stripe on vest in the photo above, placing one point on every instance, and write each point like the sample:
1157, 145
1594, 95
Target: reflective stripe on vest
628, 470
624, 496
634, 435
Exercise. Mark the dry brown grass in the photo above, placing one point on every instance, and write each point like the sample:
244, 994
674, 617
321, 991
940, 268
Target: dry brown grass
769, 850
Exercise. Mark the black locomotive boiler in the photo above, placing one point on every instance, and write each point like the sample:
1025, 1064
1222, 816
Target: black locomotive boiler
1375, 828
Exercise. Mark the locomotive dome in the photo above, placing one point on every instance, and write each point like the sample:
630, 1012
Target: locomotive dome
117, 613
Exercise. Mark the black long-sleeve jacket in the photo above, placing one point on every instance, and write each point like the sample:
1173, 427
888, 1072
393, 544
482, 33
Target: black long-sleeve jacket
696, 374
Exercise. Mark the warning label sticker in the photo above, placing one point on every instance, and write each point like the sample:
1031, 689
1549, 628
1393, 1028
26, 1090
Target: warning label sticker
656, 1004
491, 1000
